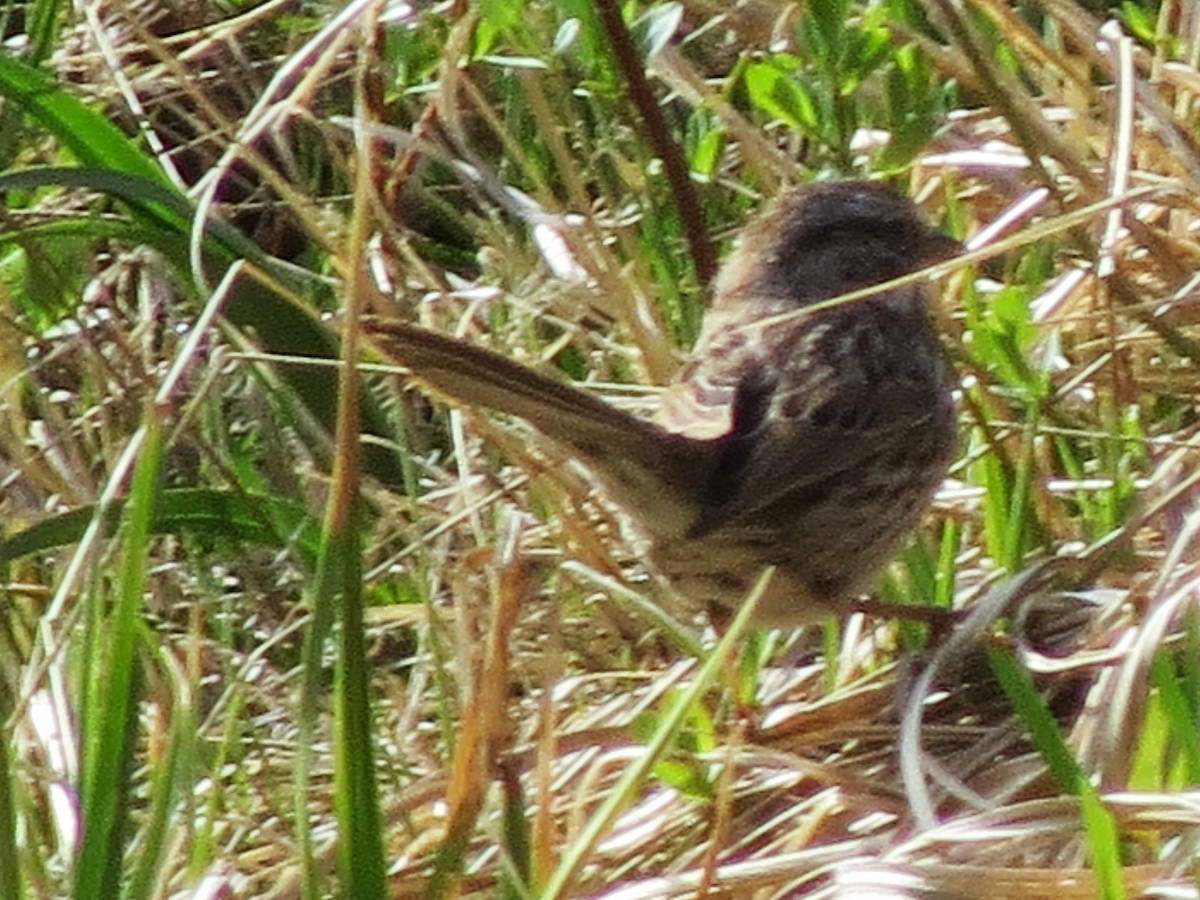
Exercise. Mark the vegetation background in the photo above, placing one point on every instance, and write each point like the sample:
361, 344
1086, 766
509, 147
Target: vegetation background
271, 627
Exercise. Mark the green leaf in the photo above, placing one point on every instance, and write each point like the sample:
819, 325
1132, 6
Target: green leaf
779, 95
707, 153
1140, 22
685, 776
501, 16
913, 108
828, 34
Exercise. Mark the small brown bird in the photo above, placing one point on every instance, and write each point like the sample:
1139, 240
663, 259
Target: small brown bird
812, 442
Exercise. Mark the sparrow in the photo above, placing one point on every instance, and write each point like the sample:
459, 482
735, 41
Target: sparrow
801, 435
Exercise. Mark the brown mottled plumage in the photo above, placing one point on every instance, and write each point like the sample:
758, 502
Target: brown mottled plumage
812, 444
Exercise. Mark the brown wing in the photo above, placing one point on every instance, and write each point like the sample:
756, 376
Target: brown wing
809, 413
655, 473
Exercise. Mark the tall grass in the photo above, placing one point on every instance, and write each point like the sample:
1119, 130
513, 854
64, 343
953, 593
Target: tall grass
280, 625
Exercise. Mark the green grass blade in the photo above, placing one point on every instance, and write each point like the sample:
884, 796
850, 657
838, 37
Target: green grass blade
90, 137
1098, 823
166, 787
1031, 708
164, 214
1180, 715
357, 800
1103, 844
573, 857
111, 714
202, 513
10, 869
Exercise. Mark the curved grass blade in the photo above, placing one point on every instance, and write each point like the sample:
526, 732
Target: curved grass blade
198, 512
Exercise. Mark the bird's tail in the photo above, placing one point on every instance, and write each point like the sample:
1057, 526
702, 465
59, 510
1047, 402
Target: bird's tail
648, 468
